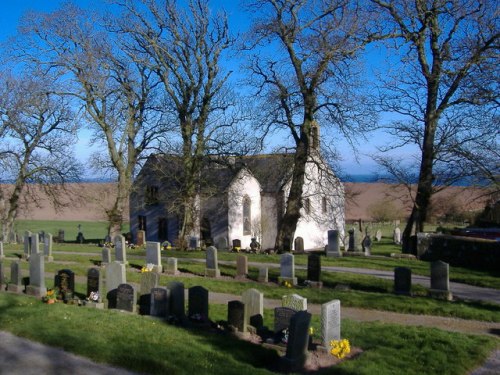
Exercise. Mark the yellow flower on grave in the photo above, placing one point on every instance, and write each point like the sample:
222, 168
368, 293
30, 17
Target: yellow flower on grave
237, 249
311, 331
340, 348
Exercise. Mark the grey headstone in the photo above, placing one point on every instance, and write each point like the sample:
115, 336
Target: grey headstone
402, 280
440, 276
378, 235
282, 316
153, 255
27, 244
65, 283
177, 308
16, 278
299, 245
115, 275
149, 280
120, 249
263, 275
222, 244
294, 301
126, 298
367, 244
236, 315
37, 276
159, 303
330, 322
106, 255
35, 243
172, 266
254, 307
241, 266
198, 304
314, 267
333, 247
47, 246
298, 341
287, 269
212, 264
397, 236
194, 243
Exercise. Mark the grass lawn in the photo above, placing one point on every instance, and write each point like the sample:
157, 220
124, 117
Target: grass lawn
150, 346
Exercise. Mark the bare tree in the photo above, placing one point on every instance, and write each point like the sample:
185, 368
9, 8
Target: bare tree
184, 47
115, 89
304, 70
38, 133
448, 73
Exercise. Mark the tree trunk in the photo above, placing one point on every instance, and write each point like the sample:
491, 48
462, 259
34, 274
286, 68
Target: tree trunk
115, 214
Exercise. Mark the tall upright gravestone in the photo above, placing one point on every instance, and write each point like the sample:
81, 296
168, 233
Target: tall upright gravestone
241, 266
120, 249
330, 322
177, 308
440, 280
212, 264
16, 278
115, 275
149, 280
36, 286
287, 269
298, 340
314, 271
333, 247
47, 247
254, 308
153, 256
27, 245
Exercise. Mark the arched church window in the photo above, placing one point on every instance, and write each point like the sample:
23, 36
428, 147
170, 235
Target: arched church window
247, 215
307, 206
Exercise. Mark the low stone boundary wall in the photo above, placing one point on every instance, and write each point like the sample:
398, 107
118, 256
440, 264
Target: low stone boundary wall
459, 251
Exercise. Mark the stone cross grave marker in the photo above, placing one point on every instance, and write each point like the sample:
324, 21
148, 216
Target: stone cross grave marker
159, 303
16, 278
236, 315
299, 245
64, 281
172, 266
241, 266
120, 249
126, 298
177, 309
106, 255
153, 256
47, 247
330, 322
212, 264
36, 286
115, 276
282, 316
298, 341
198, 304
333, 247
287, 269
402, 280
263, 275
149, 280
254, 308
294, 301
440, 280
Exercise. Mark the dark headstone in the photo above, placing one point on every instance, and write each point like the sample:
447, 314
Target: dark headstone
314, 267
402, 280
16, 278
126, 298
141, 238
94, 282
198, 304
236, 315
367, 244
282, 316
65, 283
177, 309
299, 245
159, 303
236, 245
298, 341
287, 244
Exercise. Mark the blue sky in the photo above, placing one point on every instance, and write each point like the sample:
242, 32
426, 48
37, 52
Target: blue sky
14, 9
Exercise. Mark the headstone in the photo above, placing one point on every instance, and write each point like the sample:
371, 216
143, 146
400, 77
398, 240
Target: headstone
3, 281
36, 286
298, 341
294, 301
65, 284
177, 308
241, 266
367, 244
330, 322
333, 247
378, 235
16, 278
353, 239
35, 243
172, 266
2, 255
149, 280
287, 244
120, 249
440, 280
397, 236
236, 315
263, 275
282, 316
299, 245
254, 308
27, 244
159, 303
106, 255
141, 238
198, 304
222, 244
126, 298
212, 264
287, 269
402, 280
423, 243
153, 256
60, 236
314, 270
115, 275
47, 247
194, 243
95, 286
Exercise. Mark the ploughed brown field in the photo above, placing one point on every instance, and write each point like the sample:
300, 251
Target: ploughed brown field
88, 201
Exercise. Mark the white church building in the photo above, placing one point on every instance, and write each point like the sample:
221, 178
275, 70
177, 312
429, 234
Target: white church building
240, 199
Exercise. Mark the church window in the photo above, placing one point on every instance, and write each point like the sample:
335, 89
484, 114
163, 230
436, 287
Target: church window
307, 205
247, 215
151, 194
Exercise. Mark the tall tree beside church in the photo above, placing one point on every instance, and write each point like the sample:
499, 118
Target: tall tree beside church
184, 47
115, 90
448, 72
303, 69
